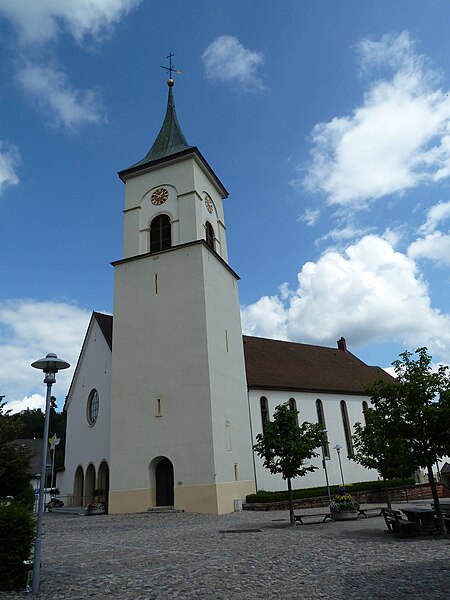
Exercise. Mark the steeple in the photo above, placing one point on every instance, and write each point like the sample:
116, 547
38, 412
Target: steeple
170, 139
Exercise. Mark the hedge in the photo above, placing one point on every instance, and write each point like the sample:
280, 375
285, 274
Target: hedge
17, 528
362, 486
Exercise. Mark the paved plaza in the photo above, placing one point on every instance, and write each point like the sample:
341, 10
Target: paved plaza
177, 556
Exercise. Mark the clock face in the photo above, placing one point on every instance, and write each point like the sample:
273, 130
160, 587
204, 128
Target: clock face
209, 204
159, 196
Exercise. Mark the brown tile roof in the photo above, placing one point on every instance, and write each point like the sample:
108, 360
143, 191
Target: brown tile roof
272, 364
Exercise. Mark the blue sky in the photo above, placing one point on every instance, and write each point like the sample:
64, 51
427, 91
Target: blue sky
328, 123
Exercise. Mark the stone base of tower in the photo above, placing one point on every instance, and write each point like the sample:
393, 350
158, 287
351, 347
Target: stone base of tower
213, 499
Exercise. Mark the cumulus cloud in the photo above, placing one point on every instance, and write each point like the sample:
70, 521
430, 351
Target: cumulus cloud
28, 331
40, 21
368, 293
398, 138
9, 160
226, 60
434, 246
53, 91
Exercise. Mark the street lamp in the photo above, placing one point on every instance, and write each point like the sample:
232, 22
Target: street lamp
51, 364
338, 450
324, 465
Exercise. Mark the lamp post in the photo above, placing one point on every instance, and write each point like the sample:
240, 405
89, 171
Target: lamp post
324, 465
51, 364
338, 450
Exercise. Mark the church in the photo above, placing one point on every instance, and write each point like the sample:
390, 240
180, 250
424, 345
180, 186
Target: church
168, 396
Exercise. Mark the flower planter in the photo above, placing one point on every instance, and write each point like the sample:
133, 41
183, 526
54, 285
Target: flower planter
96, 511
344, 515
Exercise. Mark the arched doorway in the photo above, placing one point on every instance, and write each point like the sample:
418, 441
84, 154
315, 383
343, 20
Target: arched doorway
103, 479
164, 483
78, 485
89, 485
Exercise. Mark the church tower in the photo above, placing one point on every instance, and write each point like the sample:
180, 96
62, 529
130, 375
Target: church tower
180, 429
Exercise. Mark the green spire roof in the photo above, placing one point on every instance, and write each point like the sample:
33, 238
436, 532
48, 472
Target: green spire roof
170, 139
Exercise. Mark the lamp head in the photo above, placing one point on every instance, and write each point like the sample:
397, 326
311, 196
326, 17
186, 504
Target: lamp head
51, 364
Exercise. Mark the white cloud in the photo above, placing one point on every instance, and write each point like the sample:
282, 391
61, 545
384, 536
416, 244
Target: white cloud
227, 61
435, 246
28, 331
437, 213
310, 216
32, 402
39, 21
369, 293
9, 159
398, 138
265, 318
68, 106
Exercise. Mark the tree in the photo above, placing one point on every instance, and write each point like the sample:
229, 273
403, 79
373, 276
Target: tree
413, 413
14, 462
377, 446
285, 446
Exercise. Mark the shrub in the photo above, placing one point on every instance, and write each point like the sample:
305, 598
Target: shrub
16, 540
362, 486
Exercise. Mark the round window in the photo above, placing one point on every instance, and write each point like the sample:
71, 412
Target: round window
92, 407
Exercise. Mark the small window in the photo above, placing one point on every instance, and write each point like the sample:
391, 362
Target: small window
347, 430
365, 406
236, 471
92, 407
321, 421
264, 410
209, 232
160, 233
158, 407
228, 436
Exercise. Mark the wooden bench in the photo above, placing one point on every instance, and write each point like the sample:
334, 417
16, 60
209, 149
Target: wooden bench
362, 512
299, 518
396, 523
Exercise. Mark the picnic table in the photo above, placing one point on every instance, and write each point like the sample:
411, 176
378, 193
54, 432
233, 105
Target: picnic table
425, 518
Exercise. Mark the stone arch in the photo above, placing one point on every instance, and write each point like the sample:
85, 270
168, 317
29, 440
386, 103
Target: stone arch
89, 484
78, 487
103, 478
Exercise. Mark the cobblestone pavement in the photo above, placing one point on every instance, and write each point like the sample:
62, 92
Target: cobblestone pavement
188, 556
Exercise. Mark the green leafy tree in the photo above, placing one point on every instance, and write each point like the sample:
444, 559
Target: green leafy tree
31, 425
14, 462
413, 416
377, 446
285, 446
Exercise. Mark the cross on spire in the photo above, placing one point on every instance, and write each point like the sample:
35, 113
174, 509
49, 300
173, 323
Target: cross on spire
170, 68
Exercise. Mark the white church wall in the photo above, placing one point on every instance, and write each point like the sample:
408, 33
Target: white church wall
86, 444
306, 405
230, 419
160, 351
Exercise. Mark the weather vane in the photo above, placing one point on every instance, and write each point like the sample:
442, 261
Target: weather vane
170, 68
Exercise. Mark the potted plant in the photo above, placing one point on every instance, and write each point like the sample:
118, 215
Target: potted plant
344, 507
99, 505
